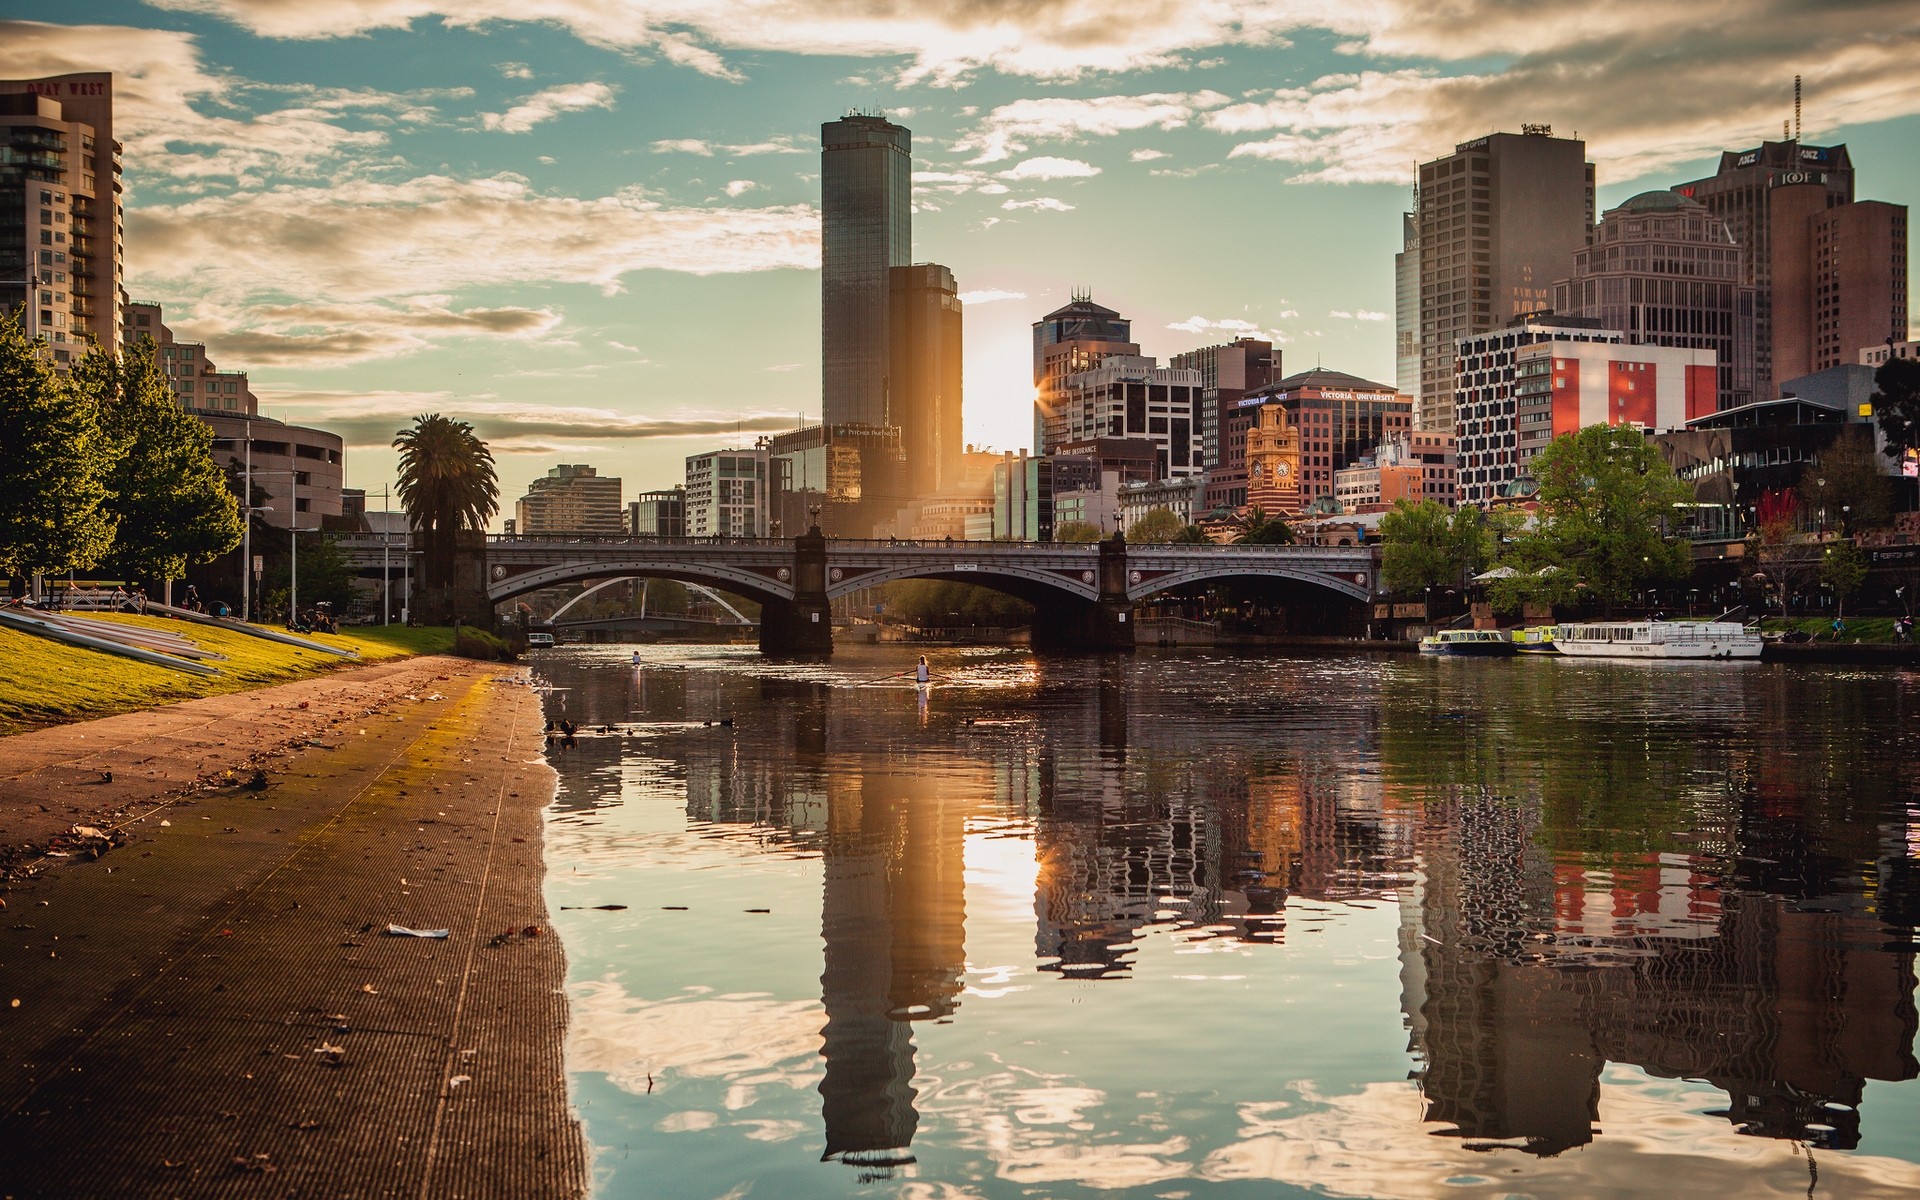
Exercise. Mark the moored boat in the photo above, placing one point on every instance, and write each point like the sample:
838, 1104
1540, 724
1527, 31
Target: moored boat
1534, 639
1657, 639
1475, 643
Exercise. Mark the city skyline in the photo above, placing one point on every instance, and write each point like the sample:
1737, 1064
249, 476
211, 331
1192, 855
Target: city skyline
589, 212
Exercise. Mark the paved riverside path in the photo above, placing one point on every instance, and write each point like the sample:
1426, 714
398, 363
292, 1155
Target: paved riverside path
213, 1009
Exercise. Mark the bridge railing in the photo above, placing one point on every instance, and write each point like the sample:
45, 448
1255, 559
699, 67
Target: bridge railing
969, 545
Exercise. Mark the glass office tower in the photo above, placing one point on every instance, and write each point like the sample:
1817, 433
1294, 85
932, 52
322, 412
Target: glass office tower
866, 210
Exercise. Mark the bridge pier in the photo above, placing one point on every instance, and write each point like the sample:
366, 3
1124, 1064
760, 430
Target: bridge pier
1103, 624
801, 627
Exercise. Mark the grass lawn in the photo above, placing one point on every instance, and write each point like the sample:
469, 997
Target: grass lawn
44, 682
1863, 629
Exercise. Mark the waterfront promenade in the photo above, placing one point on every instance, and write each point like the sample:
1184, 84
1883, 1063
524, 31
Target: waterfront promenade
213, 1006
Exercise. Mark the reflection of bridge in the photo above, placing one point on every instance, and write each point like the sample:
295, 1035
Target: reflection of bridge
1085, 593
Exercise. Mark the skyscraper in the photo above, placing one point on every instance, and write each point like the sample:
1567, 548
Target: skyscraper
60, 226
1499, 221
1406, 307
923, 394
866, 231
1227, 373
1839, 281
1068, 340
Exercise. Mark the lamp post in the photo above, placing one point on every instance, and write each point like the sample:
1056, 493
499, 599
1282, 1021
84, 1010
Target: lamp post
32, 284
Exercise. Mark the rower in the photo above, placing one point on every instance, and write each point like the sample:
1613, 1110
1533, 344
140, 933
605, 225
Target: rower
920, 673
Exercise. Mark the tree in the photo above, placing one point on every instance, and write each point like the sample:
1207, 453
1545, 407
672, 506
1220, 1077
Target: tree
1846, 485
1843, 568
1259, 529
1193, 535
171, 501
1896, 401
53, 461
1156, 528
447, 485
1076, 531
934, 602
1606, 499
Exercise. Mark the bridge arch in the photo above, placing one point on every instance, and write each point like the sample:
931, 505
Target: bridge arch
1212, 572
1013, 579
740, 582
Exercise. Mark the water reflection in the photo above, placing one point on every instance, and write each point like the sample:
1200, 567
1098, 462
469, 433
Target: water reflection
1695, 874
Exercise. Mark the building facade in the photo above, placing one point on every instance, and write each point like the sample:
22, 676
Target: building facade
1406, 307
1741, 192
1840, 280
1563, 386
1487, 437
1876, 356
848, 479
1077, 337
658, 514
866, 214
1339, 418
1128, 396
197, 384
62, 239
571, 498
1227, 373
1418, 465
1664, 271
1499, 220
727, 493
924, 378
1273, 463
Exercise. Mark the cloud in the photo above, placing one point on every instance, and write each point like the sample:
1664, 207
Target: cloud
370, 420
990, 296
1046, 167
1146, 155
740, 187
706, 149
1363, 314
1011, 128
781, 367
514, 70
1233, 327
547, 104
1038, 204
337, 334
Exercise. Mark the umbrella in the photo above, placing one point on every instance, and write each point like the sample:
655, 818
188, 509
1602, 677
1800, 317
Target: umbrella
1496, 573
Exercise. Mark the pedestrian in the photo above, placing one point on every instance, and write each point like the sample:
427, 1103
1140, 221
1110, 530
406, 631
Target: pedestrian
1839, 627
140, 600
192, 602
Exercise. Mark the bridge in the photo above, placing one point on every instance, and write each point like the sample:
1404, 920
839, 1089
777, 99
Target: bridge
1084, 593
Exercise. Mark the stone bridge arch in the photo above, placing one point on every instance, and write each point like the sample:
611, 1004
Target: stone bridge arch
740, 580
1343, 585
1033, 584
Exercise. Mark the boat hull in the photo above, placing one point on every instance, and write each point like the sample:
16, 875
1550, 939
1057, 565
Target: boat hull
1658, 640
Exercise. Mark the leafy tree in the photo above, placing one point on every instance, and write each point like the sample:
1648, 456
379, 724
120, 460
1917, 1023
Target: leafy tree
1156, 528
1193, 535
1896, 401
54, 515
1843, 568
1425, 544
172, 502
934, 602
1846, 483
1605, 499
447, 485
1259, 529
1076, 531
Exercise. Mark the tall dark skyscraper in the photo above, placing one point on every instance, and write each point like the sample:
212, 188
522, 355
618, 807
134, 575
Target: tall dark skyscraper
867, 230
923, 382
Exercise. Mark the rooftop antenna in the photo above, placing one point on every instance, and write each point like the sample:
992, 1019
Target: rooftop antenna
1796, 108
1082, 295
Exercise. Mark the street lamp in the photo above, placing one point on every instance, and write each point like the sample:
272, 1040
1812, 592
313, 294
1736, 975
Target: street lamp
32, 284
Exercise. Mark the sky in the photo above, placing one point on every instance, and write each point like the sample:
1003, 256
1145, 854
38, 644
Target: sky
591, 227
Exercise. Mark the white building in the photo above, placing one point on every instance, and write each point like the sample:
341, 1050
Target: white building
727, 493
1127, 396
1486, 435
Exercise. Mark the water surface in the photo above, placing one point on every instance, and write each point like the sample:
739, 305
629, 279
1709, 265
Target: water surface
1182, 925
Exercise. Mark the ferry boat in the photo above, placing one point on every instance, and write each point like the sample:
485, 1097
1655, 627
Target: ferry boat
1480, 643
1657, 639
1534, 639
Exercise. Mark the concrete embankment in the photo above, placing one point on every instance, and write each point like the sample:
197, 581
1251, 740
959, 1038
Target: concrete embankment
213, 1006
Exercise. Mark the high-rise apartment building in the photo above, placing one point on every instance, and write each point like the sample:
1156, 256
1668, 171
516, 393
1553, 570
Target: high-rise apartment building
1486, 437
866, 208
196, 382
62, 245
727, 493
1499, 220
1067, 341
1666, 272
658, 514
924, 378
1742, 192
1839, 280
1406, 307
571, 498
1227, 373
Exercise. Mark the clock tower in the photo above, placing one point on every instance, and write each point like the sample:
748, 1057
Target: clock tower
1273, 463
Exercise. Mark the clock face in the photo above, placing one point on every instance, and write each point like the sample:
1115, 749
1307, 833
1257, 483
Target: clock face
1282, 469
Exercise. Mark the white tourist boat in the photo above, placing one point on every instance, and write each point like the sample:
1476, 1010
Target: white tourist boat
1657, 639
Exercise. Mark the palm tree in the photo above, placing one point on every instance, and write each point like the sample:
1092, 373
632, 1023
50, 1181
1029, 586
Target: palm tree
1259, 529
447, 485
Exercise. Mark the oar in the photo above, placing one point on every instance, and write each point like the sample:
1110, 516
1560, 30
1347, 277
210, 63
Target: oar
880, 679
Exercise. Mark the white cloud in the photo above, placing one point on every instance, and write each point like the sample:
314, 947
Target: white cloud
990, 296
514, 70
1046, 167
706, 149
683, 146
1363, 314
1011, 128
370, 420
1146, 155
739, 187
1233, 327
1038, 204
782, 367
547, 104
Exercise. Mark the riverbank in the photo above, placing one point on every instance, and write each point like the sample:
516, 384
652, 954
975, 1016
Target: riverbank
47, 682
215, 998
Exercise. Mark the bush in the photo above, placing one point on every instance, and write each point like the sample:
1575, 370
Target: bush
469, 642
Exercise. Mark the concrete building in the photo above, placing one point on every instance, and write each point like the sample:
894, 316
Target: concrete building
866, 230
1227, 373
1499, 220
62, 241
1561, 386
1339, 418
1666, 272
1487, 437
196, 382
1741, 192
1876, 356
727, 493
658, 514
1067, 341
924, 379
1418, 465
1181, 497
1128, 396
571, 498
1406, 307
1839, 279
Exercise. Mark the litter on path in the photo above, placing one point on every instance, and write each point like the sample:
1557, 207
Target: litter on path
403, 931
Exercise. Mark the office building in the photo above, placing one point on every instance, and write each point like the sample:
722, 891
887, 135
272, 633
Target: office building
1486, 438
1227, 373
1839, 279
1664, 271
658, 514
1416, 466
1406, 307
727, 493
1338, 418
571, 498
1067, 341
1564, 386
1741, 193
845, 478
1181, 497
62, 245
866, 218
1128, 396
197, 384
924, 378
1499, 220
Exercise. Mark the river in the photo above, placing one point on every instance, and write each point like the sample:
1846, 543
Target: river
1208, 925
